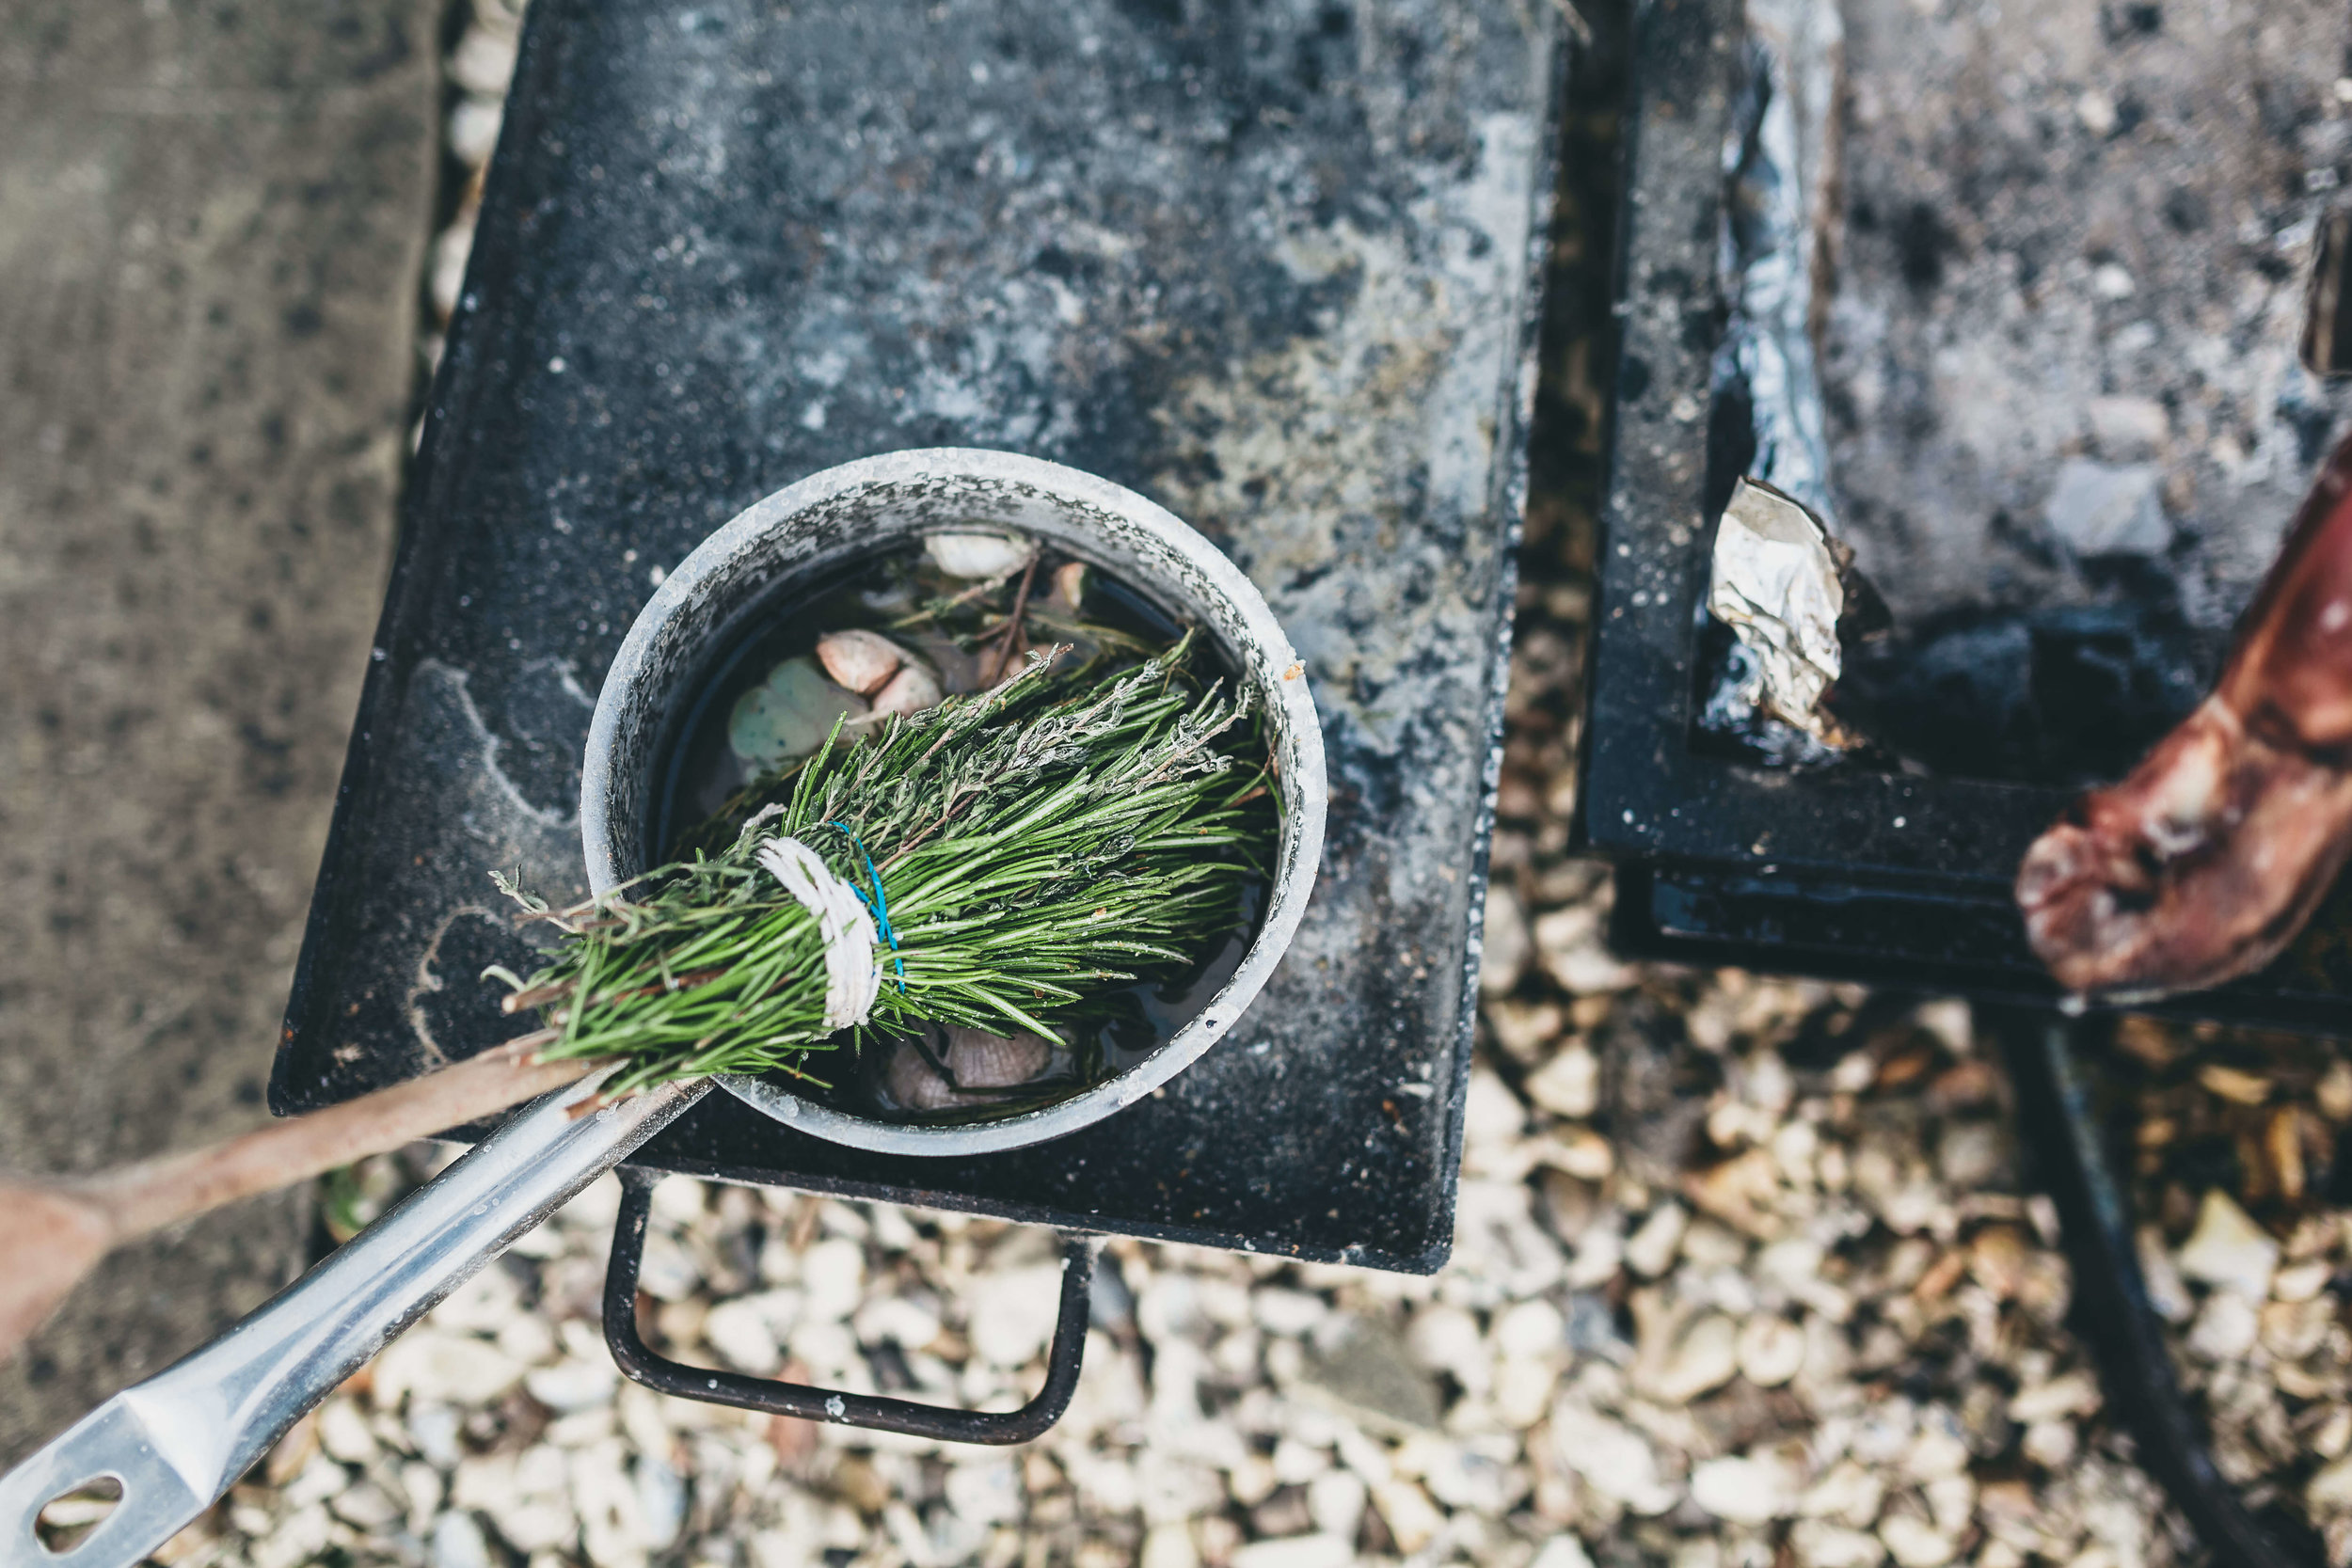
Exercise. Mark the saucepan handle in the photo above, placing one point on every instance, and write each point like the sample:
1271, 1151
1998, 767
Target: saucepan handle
878, 1411
175, 1442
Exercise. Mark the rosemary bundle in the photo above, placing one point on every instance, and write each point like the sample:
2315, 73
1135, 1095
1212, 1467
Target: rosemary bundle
955, 876
1024, 851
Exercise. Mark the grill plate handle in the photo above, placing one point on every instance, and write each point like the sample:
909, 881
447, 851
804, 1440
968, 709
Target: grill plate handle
878, 1411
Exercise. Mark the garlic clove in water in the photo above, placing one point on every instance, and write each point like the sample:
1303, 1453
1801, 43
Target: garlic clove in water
974, 1059
911, 690
859, 661
957, 668
788, 715
911, 1080
980, 1060
978, 557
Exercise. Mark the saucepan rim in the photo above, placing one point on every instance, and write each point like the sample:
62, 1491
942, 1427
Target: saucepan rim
1178, 566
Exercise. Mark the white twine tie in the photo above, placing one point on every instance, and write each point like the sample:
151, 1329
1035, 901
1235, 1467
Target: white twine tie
853, 978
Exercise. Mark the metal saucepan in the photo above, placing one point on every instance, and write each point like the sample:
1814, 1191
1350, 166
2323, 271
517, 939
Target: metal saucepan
175, 1443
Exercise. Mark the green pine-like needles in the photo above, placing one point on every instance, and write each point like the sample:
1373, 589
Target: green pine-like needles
1039, 846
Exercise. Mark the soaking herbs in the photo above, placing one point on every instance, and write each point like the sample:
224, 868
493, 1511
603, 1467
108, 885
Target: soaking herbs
969, 892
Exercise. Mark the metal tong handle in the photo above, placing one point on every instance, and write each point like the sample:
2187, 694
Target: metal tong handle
179, 1440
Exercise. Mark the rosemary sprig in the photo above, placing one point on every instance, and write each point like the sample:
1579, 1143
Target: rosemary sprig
1038, 846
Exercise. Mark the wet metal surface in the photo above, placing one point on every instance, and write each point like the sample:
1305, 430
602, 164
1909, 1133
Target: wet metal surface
1273, 269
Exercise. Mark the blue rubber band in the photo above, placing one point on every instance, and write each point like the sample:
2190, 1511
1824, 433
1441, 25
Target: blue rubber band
878, 901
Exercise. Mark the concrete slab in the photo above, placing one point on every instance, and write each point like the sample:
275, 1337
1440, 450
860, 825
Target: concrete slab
212, 222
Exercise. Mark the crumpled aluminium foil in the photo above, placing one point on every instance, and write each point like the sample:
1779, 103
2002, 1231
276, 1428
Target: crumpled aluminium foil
1781, 164
1776, 585
1777, 574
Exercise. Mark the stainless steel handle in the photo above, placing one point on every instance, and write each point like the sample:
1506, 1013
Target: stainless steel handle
179, 1440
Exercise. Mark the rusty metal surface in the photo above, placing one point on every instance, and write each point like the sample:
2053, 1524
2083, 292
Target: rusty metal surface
1274, 269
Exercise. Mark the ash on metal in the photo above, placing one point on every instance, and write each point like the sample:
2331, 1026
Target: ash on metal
2064, 412
1776, 577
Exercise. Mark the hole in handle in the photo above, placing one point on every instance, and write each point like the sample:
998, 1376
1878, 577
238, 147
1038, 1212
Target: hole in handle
66, 1520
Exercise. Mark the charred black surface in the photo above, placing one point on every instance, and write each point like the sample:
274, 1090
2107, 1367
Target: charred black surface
2070, 694
1877, 870
1273, 267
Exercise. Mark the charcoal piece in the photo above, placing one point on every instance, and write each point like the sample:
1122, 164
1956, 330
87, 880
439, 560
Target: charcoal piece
2073, 694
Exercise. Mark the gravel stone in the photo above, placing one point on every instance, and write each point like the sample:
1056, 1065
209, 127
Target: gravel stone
1569, 1084
1296, 1551
1447, 1338
2228, 1250
1289, 1313
318, 1483
483, 63
344, 1433
1704, 1358
2052, 1445
297, 1539
2330, 1490
1771, 1350
1617, 1461
573, 1385
739, 1331
451, 1368
1650, 1250
1168, 1546
833, 1276
1530, 1331
366, 1506
1743, 1489
1914, 1543
2074, 1393
1561, 1551
1505, 944
1818, 1544
1336, 1502
1412, 1519
1013, 1315
1971, 1153
457, 1542
1369, 1374
2226, 1328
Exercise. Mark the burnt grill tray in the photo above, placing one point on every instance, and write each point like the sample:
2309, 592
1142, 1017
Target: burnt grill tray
1273, 267
1852, 873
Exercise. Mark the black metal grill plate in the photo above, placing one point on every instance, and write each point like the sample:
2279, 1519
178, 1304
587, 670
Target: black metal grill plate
1273, 266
